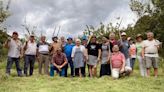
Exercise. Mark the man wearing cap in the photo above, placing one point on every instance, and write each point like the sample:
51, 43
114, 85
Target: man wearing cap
124, 48
59, 61
150, 53
14, 53
68, 51
30, 49
84, 43
43, 55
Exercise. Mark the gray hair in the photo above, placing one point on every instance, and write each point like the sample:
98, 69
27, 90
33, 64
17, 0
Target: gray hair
150, 33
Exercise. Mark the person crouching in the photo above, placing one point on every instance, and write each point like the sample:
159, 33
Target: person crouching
59, 60
118, 62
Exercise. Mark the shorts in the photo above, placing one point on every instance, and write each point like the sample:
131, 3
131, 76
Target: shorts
151, 61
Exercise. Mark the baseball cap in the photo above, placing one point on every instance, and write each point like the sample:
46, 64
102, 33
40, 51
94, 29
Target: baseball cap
15, 32
123, 34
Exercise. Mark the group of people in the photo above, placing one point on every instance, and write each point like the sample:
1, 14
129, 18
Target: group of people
117, 57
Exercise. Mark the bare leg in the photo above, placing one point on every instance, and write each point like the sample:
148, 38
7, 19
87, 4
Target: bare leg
80, 72
155, 72
148, 72
90, 71
95, 71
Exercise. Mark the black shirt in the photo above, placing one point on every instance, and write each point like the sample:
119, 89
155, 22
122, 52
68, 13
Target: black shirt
93, 49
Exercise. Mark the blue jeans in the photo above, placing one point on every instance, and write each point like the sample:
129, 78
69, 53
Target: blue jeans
61, 73
70, 62
10, 62
29, 61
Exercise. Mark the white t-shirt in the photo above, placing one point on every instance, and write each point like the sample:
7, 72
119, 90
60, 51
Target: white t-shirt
151, 49
31, 48
14, 48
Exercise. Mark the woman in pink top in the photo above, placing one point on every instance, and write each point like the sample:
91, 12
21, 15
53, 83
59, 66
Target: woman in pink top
118, 62
132, 53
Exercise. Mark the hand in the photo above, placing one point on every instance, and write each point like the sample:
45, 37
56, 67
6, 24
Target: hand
108, 62
59, 68
8, 40
21, 56
98, 59
122, 70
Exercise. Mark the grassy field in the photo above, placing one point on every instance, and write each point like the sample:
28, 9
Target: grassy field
43, 83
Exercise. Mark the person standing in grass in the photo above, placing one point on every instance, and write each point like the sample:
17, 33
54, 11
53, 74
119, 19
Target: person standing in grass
30, 49
124, 45
43, 55
117, 61
59, 61
138, 44
94, 54
78, 57
84, 43
15, 52
68, 51
150, 53
132, 53
105, 51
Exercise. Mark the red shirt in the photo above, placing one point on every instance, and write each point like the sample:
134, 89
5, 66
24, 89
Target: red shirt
59, 59
117, 60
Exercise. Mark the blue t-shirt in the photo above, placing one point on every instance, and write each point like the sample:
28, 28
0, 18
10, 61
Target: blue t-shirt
68, 50
125, 48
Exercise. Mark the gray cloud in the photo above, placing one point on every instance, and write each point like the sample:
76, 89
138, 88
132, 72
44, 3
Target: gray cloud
73, 14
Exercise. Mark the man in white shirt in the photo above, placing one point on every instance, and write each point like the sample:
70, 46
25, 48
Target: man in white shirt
150, 53
14, 53
30, 48
43, 55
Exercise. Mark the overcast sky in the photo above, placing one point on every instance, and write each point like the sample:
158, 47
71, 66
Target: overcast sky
71, 15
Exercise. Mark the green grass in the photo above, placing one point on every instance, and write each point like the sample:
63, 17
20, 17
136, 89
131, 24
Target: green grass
43, 83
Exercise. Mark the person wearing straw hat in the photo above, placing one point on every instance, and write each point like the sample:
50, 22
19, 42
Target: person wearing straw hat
94, 54
78, 56
15, 52
30, 49
139, 43
59, 60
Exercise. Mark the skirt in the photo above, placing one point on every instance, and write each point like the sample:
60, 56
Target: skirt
92, 60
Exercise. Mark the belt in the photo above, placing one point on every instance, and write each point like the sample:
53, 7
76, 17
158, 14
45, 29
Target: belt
150, 53
44, 54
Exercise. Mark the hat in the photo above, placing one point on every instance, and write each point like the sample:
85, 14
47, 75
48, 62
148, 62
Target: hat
69, 38
138, 35
32, 35
55, 37
123, 34
84, 38
15, 32
58, 49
